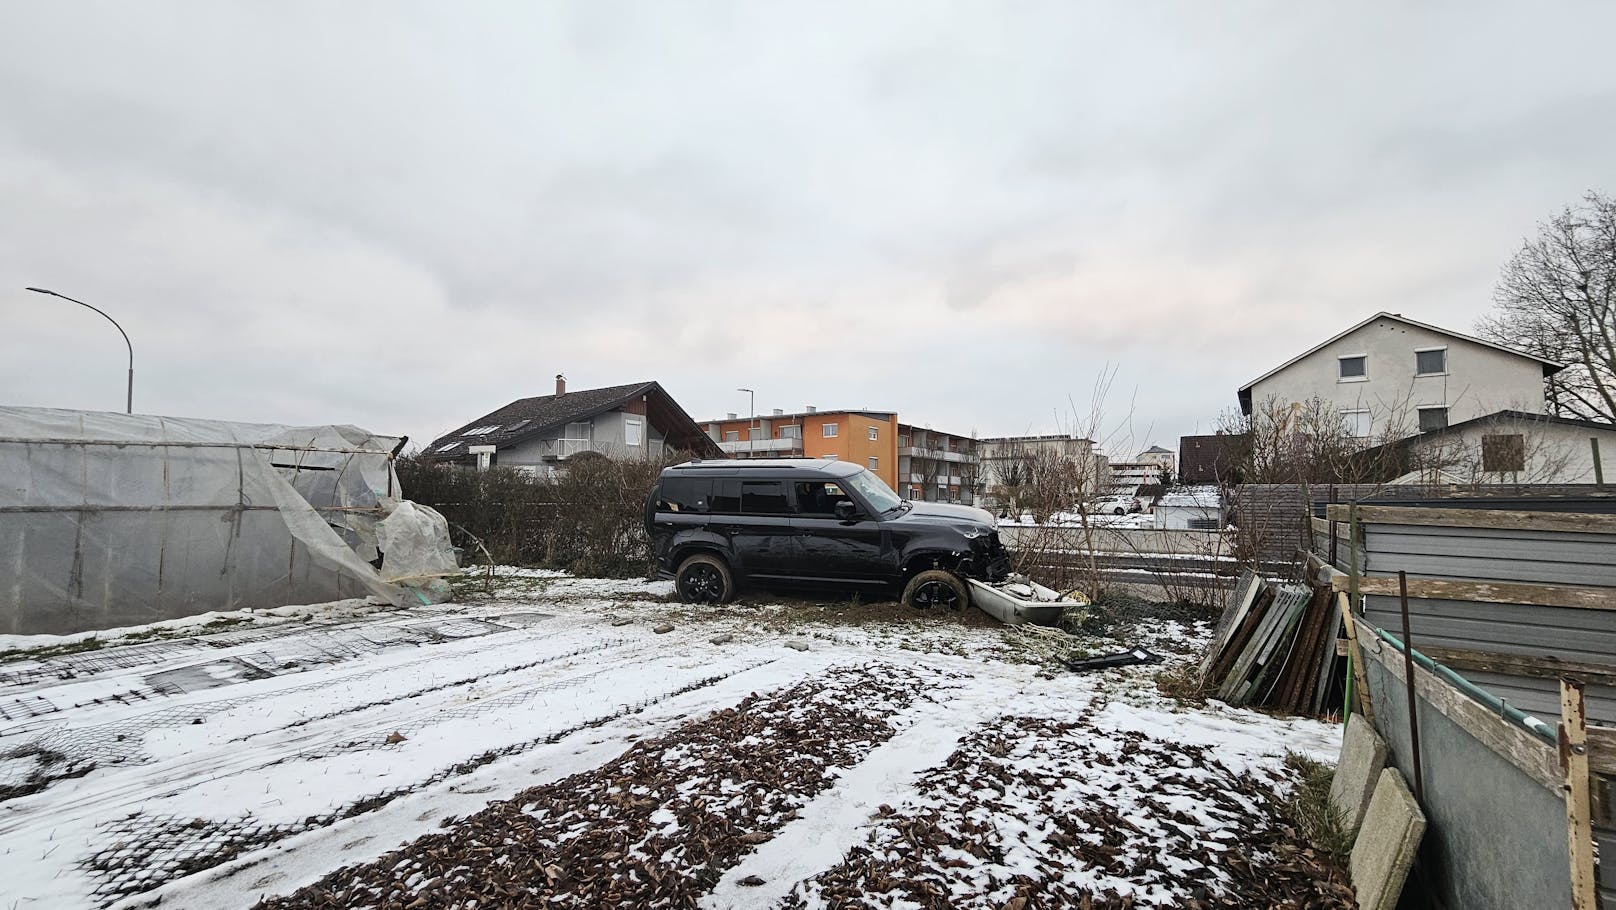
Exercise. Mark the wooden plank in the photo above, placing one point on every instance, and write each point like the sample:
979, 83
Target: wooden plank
1534, 757
1579, 811
1521, 665
1490, 592
1237, 642
1502, 519
1356, 655
1602, 750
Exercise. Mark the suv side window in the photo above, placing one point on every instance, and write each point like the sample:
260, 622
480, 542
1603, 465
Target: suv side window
819, 497
684, 494
726, 496
764, 497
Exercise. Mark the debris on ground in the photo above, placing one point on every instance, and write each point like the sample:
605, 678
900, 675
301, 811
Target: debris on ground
1113, 660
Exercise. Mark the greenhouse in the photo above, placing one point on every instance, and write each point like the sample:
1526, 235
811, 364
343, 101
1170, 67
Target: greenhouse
114, 520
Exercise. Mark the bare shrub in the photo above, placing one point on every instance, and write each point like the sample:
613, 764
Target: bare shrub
589, 520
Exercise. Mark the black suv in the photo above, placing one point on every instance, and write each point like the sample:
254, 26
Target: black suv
716, 524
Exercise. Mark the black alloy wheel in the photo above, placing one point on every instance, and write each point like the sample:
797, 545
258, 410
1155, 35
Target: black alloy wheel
702, 583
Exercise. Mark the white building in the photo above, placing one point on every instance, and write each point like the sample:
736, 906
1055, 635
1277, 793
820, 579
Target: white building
1391, 377
1190, 509
1512, 447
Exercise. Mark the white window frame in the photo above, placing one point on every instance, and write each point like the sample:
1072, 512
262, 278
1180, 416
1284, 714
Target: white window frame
634, 431
830, 430
873, 463
1347, 415
1447, 412
1341, 378
1419, 351
791, 431
875, 434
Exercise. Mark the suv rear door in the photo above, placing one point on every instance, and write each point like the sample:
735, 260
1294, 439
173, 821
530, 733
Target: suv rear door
754, 514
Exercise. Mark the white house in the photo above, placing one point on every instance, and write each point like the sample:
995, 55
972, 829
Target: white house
1391, 377
1190, 509
1511, 447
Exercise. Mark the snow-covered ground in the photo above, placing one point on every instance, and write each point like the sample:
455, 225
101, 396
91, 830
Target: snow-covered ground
769, 753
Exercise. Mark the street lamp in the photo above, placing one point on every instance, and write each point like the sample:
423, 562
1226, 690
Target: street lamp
129, 401
751, 417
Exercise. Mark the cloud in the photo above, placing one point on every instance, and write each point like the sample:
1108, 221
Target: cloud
403, 215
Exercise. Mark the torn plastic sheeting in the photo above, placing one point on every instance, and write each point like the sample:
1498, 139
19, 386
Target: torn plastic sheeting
115, 519
415, 539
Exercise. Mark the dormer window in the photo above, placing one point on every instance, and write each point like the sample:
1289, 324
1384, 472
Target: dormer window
1354, 368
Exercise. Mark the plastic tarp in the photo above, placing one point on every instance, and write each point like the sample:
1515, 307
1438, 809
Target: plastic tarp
112, 520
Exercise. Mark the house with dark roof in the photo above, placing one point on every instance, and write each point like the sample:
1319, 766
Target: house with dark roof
546, 432
1390, 377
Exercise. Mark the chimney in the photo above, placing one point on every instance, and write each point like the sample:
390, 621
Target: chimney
561, 385
731, 416
778, 412
812, 410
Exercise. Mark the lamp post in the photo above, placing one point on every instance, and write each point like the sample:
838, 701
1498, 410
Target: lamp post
751, 417
129, 400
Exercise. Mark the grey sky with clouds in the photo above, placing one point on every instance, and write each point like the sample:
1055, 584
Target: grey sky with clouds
404, 215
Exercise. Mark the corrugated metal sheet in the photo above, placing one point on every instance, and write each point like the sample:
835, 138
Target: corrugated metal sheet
1487, 554
1566, 633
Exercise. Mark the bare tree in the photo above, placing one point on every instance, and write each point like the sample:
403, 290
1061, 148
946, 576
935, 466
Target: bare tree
1556, 298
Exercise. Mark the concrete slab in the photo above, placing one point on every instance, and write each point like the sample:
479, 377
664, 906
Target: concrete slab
1387, 842
1363, 755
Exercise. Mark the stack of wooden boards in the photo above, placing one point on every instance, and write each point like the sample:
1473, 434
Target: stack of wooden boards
1275, 647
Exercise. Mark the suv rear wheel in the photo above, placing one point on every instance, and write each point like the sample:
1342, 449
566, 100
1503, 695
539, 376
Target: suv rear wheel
936, 589
704, 579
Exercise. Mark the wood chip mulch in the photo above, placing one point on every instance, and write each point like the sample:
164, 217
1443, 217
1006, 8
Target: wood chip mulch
655, 827
1037, 813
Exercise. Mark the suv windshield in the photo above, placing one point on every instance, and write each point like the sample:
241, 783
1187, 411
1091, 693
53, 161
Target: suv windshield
874, 490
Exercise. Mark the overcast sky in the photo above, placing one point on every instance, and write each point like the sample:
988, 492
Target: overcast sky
402, 216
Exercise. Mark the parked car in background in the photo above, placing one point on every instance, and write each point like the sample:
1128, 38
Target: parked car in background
1113, 505
718, 525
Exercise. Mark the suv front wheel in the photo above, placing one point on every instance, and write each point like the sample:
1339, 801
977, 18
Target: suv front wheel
936, 589
704, 579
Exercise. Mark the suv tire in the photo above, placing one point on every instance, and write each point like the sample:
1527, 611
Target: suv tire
704, 579
936, 589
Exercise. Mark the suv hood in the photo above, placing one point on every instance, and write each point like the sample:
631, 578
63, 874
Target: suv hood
946, 513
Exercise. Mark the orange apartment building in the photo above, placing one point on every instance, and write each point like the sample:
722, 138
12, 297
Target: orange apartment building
869, 438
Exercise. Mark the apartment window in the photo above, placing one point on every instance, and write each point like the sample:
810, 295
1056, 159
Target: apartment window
875, 433
874, 463
1431, 362
1358, 423
1503, 452
1433, 419
732, 435
794, 431
756, 433
1353, 368
1204, 524
578, 430
633, 431
830, 430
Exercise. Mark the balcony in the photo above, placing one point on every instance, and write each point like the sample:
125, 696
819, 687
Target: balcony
939, 455
770, 446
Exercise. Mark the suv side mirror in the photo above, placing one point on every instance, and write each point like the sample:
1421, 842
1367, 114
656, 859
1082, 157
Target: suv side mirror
846, 511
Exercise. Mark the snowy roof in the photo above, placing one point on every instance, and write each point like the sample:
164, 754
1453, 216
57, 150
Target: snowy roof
1192, 498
